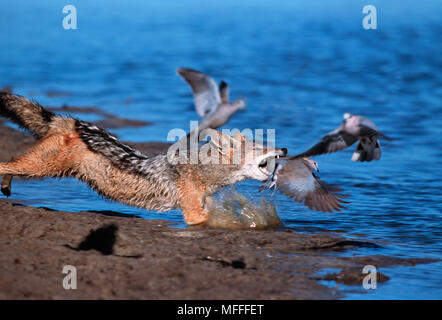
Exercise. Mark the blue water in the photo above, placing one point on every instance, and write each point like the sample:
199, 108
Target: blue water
299, 66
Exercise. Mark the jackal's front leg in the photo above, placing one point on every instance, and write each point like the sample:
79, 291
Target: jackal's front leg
191, 203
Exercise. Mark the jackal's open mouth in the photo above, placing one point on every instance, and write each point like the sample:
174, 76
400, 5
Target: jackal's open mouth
267, 165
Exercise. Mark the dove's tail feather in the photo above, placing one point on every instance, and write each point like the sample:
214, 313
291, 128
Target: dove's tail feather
368, 149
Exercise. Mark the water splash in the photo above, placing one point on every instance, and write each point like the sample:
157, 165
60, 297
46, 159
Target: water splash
231, 210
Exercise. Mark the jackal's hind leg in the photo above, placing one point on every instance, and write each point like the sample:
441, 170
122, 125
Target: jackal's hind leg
54, 156
25, 166
6, 185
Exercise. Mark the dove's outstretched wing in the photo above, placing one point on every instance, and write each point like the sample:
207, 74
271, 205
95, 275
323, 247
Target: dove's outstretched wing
336, 140
206, 92
294, 178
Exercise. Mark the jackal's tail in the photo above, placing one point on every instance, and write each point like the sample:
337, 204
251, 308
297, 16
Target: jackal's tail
26, 113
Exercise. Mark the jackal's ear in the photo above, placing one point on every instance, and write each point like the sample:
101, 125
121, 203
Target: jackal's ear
219, 140
215, 137
239, 137
213, 134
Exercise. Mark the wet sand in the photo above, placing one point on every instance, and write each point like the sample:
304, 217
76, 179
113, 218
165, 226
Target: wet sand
123, 257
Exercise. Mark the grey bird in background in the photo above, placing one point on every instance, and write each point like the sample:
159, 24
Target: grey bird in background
353, 128
211, 100
295, 178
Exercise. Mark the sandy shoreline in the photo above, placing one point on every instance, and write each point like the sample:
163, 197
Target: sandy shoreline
133, 258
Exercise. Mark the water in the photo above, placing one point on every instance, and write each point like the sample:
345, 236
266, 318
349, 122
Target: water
300, 67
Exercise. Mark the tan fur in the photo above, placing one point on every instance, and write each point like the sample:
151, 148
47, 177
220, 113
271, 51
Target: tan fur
191, 198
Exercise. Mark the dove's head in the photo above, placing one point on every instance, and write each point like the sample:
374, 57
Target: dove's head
347, 116
312, 164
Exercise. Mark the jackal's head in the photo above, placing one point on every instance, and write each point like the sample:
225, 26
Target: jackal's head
249, 159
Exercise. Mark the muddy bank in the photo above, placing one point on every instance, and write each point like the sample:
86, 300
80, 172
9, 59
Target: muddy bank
121, 257
133, 258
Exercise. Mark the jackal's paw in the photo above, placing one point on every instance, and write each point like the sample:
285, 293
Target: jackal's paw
197, 220
6, 185
195, 217
6, 190
199, 226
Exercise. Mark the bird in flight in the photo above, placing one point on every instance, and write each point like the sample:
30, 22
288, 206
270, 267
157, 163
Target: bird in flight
296, 178
353, 128
211, 100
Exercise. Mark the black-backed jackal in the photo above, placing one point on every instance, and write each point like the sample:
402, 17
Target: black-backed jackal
69, 147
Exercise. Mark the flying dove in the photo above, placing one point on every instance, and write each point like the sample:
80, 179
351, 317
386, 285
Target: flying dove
211, 100
295, 178
353, 128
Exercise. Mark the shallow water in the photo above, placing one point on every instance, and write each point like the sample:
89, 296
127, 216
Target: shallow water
300, 67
